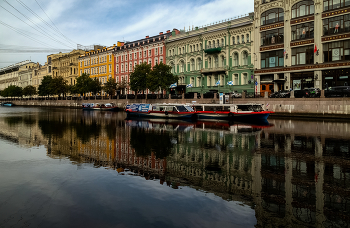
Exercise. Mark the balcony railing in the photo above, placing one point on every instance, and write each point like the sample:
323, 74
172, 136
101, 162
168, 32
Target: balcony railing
213, 48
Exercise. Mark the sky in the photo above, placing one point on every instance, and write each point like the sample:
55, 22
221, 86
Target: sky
33, 29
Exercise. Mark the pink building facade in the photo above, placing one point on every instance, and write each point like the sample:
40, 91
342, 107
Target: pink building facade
150, 50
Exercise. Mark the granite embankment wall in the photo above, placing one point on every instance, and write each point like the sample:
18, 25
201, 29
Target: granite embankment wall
298, 107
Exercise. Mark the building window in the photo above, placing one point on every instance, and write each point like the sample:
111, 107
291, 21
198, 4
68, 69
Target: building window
191, 48
334, 25
303, 55
247, 38
161, 50
335, 4
156, 50
336, 51
236, 82
117, 69
161, 59
144, 54
245, 58
169, 52
192, 64
130, 68
237, 39
233, 40
303, 8
130, 57
150, 53
183, 50
182, 65
135, 55
274, 36
209, 62
303, 31
222, 61
245, 78
110, 68
242, 39
156, 61
235, 59
272, 16
140, 54
272, 59
199, 64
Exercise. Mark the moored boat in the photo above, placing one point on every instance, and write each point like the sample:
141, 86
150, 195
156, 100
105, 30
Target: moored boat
8, 104
236, 112
101, 107
176, 111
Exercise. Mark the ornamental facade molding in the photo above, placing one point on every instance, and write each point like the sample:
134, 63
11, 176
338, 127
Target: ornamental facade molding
271, 5
215, 35
241, 30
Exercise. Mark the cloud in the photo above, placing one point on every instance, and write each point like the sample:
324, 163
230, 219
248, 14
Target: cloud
107, 21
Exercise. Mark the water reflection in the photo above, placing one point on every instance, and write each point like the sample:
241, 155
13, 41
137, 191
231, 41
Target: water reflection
291, 172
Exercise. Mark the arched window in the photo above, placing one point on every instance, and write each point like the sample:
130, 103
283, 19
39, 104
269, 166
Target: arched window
245, 58
242, 39
191, 48
169, 52
222, 42
235, 59
209, 61
192, 64
197, 47
303, 8
237, 39
233, 40
217, 43
182, 66
172, 67
216, 59
272, 16
222, 61
209, 44
199, 64
247, 38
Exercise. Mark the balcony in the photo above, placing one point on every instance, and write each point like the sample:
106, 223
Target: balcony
212, 49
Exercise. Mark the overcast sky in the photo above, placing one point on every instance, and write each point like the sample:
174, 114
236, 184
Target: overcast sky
32, 29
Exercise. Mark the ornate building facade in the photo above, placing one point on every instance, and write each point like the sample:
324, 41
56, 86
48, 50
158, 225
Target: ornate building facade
66, 65
301, 44
150, 50
213, 57
98, 63
10, 75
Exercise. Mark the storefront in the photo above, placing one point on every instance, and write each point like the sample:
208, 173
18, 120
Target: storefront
302, 80
338, 77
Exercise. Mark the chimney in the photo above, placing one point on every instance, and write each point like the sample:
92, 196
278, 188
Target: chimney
161, 33
147, 36
114, 45
168, 31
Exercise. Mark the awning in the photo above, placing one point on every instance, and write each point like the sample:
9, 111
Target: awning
279, 80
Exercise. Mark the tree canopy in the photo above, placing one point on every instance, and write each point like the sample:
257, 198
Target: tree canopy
45, 88
110, 86
95, 86
12, 91
160, 77
58, 85
138, 78
156, 78
83, 84
29, 90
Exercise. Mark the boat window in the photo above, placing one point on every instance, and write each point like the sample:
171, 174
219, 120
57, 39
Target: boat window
181, 109
198, 108
190, 109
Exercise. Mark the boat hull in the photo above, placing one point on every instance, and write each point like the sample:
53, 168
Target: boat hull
164, 115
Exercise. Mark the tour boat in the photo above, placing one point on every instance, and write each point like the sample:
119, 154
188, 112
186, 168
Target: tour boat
101, 107
235, 112
177, 111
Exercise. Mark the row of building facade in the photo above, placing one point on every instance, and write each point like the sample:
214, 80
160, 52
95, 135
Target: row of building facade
283, 44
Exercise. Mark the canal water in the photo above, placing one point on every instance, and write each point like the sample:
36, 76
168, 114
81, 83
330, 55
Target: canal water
74, 168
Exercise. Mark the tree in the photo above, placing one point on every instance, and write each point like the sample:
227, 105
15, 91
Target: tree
160, 77
110, 86
13, 91
29, 90
122, 85
95, 86
83, 84
58, 86
138, 78
45, 86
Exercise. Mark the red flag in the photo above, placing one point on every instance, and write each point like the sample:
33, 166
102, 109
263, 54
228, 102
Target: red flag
315, 50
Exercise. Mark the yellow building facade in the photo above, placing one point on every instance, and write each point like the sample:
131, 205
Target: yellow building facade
98, 63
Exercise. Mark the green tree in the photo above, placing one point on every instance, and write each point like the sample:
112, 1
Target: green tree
95, 86
59, 86
83, 84
138, 78
45, 86
13, 91
29, 90
110, 86
122, 85
160, 77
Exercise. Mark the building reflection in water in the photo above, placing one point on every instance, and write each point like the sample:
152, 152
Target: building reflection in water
293, 173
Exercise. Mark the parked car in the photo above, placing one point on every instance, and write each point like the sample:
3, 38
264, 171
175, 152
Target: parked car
284, 94
274, 94
235, 95
301, 93
313, 92
338, 91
